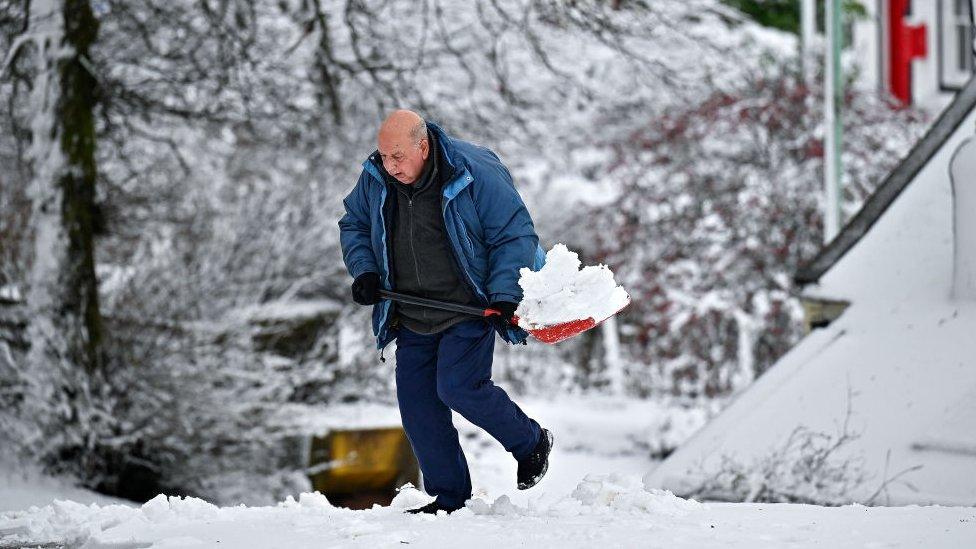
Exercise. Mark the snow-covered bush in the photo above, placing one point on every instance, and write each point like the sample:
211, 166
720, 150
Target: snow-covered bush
810, 466
196, 402
720, 204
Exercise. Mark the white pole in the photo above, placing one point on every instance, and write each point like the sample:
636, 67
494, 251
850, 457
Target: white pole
832, 128
611, 351
808, 29
808, 21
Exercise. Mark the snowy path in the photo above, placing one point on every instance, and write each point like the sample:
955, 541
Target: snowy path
593, 436
601, 438
615, 512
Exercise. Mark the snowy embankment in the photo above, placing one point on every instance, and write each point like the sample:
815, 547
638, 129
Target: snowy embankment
24, 486
617, 511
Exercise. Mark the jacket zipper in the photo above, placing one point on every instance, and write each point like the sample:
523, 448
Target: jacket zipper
462, 274
463, 232
413, 249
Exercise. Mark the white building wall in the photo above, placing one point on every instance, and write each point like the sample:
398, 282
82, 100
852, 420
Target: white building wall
866, 48
925, 72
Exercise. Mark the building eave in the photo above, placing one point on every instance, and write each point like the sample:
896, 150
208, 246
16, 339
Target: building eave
893, 185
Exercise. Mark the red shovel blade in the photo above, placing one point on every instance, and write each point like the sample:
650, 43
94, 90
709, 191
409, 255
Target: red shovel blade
554, 333
564, 330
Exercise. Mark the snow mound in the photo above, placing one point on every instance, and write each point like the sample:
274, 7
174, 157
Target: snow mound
501, 507
409, 497
164, 508
307, 500
628, 494
596, 495
560, 291
66, 521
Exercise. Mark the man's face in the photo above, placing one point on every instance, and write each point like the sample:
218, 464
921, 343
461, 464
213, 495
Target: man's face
402, 158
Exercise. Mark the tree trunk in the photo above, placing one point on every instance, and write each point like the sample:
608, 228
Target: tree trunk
65, 326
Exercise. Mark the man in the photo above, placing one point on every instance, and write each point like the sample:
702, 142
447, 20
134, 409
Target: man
438, 217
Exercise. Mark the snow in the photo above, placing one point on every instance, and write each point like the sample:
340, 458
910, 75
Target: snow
901, 356
302, 419
612, 509
954, 431
603, 445
23, 486
561, 292
288, 310
10, 293
592, 495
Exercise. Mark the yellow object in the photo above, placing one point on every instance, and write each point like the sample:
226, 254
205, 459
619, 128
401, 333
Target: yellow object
351, 463
818, 313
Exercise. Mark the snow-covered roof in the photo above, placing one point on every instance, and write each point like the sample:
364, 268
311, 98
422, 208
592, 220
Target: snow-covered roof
904, 351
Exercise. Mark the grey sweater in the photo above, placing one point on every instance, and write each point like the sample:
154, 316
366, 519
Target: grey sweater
423, 263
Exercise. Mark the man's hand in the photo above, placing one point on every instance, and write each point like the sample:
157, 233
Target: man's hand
366, 289
502, 321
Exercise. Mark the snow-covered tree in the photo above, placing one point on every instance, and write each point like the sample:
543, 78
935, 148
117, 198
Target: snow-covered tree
229, 131
55, 396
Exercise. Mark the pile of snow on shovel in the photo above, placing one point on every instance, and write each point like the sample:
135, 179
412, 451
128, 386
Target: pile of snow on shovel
562, 292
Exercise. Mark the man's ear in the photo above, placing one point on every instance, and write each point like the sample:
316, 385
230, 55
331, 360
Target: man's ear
425, 147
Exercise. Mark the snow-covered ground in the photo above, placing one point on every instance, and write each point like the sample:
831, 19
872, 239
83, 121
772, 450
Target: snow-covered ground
592, 495
617, 511
592, 436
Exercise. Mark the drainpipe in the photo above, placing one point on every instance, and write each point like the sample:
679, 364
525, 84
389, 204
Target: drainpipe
962, 172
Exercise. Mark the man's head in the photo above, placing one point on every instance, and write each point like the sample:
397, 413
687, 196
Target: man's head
403, 145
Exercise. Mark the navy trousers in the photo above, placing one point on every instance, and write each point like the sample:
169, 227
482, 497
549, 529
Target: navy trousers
451, 370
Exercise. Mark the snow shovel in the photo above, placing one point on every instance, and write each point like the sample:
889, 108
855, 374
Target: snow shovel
551, 334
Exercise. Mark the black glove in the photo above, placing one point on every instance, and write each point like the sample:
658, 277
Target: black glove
366, 289
502, 321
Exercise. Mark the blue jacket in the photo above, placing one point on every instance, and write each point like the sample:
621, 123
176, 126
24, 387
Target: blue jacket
488, 227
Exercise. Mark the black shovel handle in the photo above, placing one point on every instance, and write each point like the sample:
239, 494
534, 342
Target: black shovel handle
435, 304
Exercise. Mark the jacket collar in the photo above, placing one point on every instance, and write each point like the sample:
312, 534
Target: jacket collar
456, 167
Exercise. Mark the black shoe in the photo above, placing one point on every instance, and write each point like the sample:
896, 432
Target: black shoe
532, 468
432, 508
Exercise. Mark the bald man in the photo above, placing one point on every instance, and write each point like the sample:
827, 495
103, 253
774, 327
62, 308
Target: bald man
438, 217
